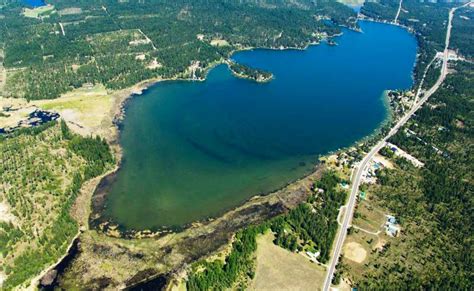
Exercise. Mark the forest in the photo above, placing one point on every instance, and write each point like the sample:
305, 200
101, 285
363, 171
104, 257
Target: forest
47, 164
462, 37
300, 229
433, 203
250, 73
119, 44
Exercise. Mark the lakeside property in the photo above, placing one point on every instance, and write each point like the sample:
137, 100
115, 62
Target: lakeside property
105, 261
60, 104
255, 138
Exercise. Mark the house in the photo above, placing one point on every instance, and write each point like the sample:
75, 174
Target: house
392, 228
362, 195
391, 219
313, 256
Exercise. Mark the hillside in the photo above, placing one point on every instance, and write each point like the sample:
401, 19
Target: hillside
42, 170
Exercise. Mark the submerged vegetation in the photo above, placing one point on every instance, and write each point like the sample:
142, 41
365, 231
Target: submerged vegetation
42, 171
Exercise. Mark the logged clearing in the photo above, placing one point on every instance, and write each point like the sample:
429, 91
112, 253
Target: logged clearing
280, 269
40, 177
355, 252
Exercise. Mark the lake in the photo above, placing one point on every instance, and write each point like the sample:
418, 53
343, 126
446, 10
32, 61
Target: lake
192, 150
34, 3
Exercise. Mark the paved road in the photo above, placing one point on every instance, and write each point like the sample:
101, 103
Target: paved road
364, 163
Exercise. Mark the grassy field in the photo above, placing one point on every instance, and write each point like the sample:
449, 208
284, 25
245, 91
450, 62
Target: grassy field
280, 269
87, 110
358, 248
38, 11
368, 216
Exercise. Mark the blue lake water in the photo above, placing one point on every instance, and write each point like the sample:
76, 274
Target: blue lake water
194, 149
34, 3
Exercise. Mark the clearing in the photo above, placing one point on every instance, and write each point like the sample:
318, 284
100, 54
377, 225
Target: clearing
219, 42
5, 214
369, 217
43, 11
355, 252
280, 269
87, 110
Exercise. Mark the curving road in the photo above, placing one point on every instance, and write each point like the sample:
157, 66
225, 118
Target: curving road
363, 164
395, 20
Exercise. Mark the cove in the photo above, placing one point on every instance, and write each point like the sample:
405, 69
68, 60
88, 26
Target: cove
192, 150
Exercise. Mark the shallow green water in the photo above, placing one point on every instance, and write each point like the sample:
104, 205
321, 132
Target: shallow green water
195, 149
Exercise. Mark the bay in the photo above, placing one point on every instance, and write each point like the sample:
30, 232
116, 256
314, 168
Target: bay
192, 150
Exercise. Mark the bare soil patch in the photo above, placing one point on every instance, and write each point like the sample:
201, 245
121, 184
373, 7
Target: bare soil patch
5, 214
355, 252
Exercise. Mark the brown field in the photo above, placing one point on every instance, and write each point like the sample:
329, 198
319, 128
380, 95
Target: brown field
280, 269
355, 252
219, 42
358, 250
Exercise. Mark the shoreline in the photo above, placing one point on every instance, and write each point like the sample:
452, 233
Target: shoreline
35, 282
119, 113
111, 228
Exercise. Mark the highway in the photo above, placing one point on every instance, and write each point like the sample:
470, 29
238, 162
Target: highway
360, 168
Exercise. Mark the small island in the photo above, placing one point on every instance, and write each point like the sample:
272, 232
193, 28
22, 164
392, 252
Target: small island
243, 71
331, 42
